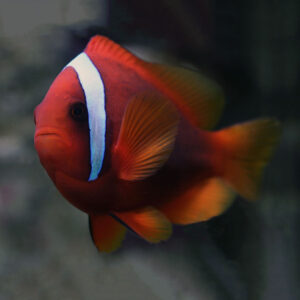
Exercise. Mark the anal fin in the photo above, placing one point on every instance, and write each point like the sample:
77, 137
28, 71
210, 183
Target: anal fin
148, 223
106, 232
202, 202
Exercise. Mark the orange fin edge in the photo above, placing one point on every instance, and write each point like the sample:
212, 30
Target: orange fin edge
202, 202
243, 151
149, 223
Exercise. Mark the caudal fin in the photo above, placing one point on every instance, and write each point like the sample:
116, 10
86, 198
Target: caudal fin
243, 151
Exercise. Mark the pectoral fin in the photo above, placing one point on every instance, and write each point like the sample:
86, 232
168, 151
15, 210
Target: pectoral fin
146, 137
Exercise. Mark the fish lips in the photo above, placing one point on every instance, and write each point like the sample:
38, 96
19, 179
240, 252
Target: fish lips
52, 148
50, 143
47, 133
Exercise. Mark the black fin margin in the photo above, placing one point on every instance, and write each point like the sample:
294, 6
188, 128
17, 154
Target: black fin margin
125, 225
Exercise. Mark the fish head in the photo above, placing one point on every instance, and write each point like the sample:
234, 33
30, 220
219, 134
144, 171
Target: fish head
62, 132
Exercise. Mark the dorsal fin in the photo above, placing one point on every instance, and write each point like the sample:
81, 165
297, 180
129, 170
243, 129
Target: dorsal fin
108, 49
200, 99
148, 223
146, 137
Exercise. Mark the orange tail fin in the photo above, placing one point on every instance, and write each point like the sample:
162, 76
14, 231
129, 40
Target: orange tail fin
242, 151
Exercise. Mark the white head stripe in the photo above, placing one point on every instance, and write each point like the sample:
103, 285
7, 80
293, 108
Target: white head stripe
93, 88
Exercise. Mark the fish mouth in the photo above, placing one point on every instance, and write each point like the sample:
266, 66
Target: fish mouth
46, 132
50, 133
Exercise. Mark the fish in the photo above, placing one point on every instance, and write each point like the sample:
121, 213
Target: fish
132, 144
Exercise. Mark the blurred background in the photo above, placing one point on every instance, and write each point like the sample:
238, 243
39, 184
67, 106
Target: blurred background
251, 252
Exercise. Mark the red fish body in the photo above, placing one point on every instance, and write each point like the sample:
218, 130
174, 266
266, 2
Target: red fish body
157, 164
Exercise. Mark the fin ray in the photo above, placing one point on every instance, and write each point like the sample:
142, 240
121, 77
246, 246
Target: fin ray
146, 137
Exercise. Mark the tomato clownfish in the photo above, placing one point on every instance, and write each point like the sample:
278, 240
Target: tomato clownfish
128, 142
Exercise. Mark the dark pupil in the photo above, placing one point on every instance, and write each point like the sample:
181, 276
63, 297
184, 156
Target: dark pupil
79, 112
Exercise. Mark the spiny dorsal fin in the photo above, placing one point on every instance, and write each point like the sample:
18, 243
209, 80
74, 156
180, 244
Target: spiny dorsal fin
202, 202
106, 232
149, 223
108, 49
146, 137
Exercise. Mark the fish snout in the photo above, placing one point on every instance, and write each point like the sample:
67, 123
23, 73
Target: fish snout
51, 147
50, 137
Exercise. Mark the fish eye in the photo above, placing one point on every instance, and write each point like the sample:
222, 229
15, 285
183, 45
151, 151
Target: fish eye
78, 112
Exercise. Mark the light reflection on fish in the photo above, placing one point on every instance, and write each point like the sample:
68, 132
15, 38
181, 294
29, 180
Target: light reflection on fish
127, 140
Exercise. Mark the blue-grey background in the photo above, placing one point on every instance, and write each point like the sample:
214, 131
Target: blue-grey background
251, 252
